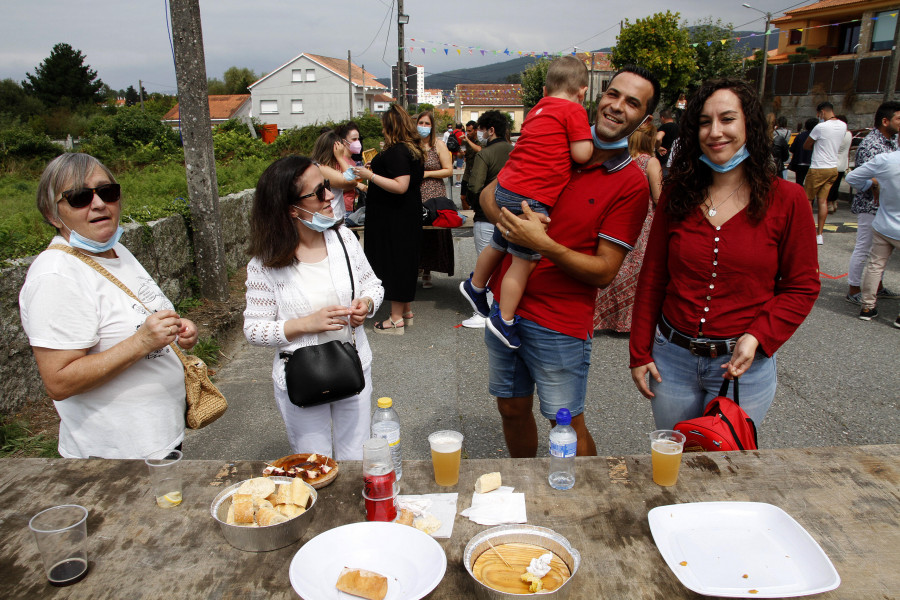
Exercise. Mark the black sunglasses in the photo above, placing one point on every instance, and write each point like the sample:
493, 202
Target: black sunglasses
319, 192
81, 197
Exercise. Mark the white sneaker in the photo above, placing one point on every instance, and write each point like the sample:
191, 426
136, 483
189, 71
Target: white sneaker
476, 321
819, 240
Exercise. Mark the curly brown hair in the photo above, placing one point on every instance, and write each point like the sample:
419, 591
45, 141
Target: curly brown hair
688, 178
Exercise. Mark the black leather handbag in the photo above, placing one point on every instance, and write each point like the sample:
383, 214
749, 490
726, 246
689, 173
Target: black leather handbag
326, 372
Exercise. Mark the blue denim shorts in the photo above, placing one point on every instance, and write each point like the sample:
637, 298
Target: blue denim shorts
689, 382
556, 363
513, 203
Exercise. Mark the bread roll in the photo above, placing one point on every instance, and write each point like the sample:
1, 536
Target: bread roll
283, 495
299, 493
405, 517
290, 510
243, 508
487, 483
362, 583
258, 486
229, 518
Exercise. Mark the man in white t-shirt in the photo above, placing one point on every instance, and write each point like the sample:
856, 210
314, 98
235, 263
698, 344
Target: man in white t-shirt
825, 142
447, 133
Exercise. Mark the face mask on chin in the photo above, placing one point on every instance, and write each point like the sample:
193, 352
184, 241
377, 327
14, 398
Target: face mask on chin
734, 161
319, 221
602, 145
76, 240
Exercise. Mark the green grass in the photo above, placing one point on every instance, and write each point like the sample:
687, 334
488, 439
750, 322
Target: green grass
148, 194
17, 440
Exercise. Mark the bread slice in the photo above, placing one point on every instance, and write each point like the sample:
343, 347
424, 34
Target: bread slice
290, 510
362, 583
243, 508
283, 495
299, 493
269, 516
258, 486
405, 517
487, 483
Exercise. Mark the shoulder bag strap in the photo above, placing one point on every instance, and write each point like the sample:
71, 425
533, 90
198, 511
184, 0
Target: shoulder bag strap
337, 232
102, 270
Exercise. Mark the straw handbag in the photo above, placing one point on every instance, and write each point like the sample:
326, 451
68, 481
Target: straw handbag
205, 403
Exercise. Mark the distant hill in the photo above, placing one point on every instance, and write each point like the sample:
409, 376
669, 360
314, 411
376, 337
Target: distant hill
498, 72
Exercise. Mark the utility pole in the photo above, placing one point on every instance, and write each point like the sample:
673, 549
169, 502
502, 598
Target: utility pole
765, 57
365, 102
200, 163
402, 20
591, 83
141, 93
890, 90
350, 82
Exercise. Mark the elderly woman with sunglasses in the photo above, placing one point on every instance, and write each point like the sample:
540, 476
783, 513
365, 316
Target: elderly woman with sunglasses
104, 358
299, 294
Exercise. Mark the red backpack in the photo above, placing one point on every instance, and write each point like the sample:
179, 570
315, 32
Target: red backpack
724, 425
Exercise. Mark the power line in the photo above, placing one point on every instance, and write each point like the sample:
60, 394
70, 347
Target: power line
387, 37
383, 21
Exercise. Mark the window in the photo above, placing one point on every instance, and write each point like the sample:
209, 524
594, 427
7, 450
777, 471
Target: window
474, 116
848, 38
883, 33
310, 74
794, 37
297, 75
296, 106
268, 106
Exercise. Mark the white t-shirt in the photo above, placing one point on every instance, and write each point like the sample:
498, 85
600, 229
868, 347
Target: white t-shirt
315, 279
828, 136
67, 305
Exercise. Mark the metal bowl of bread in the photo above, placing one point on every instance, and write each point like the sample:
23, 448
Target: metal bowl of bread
264, 513
510, 561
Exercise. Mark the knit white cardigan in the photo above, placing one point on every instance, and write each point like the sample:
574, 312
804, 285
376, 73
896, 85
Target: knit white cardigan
275, 295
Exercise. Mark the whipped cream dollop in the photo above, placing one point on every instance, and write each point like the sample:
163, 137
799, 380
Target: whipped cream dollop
540, 566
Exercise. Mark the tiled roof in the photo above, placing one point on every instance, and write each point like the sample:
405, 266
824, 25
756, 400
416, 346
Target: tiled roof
220, 107
825, 5
601, 61
489, 94
382, 98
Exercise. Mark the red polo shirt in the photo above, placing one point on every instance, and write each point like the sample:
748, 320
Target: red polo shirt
601, 201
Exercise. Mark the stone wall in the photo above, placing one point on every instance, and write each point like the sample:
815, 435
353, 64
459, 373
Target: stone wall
163, 247
859, 108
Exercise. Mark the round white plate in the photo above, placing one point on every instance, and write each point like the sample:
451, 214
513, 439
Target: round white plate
411, 560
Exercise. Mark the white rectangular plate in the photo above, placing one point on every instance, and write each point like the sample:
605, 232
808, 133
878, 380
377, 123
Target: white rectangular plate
740, 550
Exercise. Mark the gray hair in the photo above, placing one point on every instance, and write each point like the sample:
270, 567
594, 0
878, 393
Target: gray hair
65, 172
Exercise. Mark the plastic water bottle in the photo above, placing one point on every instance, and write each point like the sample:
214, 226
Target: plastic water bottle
386, 425
563, 442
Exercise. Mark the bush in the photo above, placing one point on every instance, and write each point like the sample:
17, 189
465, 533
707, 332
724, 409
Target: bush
22, 142
296, 140
131, 130
230, 143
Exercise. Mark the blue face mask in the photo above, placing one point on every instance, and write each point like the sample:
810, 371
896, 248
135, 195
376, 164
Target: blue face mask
616, 145
734, 161
424, 131
76, 240
319, 221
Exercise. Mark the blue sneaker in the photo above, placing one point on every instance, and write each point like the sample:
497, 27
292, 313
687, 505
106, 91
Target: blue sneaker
508, 334
478, 300
886, 293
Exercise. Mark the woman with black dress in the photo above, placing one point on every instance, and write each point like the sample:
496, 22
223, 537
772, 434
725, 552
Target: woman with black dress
393, 228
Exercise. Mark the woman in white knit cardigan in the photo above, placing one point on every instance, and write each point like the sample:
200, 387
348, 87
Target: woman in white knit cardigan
298, 294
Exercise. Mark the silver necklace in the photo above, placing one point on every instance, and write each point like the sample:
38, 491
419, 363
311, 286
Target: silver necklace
712, 210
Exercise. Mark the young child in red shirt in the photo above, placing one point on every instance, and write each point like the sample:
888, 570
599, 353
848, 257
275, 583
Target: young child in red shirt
555, 133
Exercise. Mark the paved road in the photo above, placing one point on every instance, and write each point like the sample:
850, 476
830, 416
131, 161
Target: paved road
838, 377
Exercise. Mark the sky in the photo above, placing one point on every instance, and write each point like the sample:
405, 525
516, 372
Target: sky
127, 40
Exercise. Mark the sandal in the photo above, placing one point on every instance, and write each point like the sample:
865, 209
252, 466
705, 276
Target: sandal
394, 328
408, 318
426, 281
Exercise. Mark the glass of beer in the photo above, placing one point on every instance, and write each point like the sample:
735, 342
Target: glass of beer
666, 446
446, 447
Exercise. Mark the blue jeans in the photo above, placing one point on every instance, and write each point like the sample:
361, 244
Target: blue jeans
558, 364
689, 382
513, 203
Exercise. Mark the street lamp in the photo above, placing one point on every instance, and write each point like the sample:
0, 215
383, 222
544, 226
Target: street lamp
403, 19
762, 78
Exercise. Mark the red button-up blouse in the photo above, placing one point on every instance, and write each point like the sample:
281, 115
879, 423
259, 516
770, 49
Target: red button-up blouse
722, 282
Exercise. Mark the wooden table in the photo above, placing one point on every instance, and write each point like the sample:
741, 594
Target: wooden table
847, 498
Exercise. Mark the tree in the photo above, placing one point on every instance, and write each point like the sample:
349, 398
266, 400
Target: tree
16, 103
131, 96
717, 54
64, 80
237, 80
660, 45
215, 87
533, 83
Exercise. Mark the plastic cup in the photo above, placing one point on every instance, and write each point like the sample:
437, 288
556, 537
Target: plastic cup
666, 447
380, 485
165, 477
61, 536
446, 448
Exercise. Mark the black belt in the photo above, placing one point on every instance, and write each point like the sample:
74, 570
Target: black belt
698, 346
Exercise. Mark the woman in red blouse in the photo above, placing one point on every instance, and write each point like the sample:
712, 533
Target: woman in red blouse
731, 268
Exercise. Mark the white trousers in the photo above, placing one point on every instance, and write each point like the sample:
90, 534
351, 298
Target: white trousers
882, 248
310, 429
861, 249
